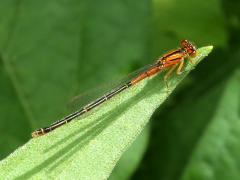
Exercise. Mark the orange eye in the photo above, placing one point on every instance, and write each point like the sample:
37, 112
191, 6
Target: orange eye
184, 43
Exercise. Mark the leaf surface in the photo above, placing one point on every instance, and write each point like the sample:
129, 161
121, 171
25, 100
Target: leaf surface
90, 147
51, 50
217, 151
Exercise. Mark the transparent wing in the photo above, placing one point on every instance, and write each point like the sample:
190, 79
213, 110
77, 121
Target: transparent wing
84, 98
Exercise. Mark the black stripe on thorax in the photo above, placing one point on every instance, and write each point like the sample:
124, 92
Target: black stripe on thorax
174, 52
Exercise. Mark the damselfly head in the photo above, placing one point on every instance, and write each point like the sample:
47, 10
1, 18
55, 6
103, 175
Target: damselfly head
189, 47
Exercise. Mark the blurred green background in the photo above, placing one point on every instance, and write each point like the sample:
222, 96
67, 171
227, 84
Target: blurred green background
52, 50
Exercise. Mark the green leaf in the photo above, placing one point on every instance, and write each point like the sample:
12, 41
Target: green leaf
48, 48
177, 135
50, 51
90, 148
176, 131
216, 155
123, 170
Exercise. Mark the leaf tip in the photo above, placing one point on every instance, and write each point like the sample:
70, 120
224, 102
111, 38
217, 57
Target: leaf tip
209, 48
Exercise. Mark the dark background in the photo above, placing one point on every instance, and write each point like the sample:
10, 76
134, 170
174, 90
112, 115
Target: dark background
53, 50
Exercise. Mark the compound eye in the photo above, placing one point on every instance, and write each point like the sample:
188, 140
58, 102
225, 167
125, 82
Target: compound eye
184, 43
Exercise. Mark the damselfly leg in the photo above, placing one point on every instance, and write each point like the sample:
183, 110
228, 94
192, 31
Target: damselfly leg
171, 60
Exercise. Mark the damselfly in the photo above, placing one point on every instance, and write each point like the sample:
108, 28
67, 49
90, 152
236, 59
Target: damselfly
172, 60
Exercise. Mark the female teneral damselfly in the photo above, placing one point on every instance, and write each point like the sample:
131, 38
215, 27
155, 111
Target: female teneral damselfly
172, 60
